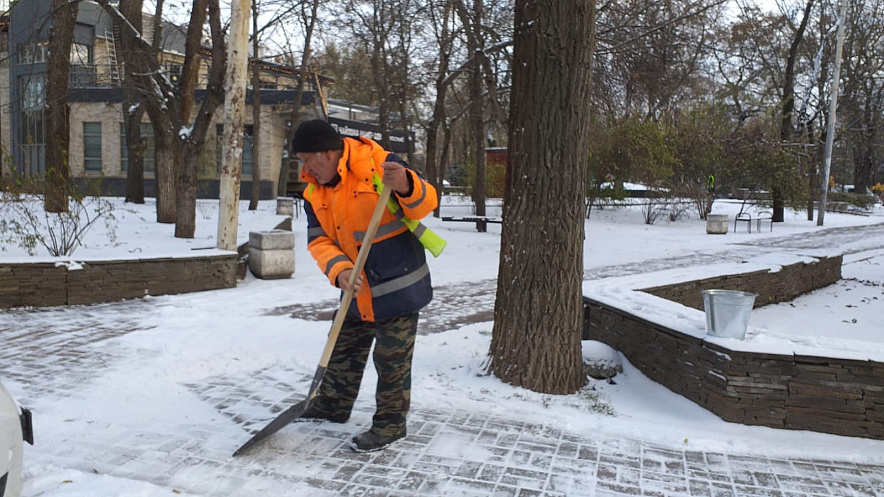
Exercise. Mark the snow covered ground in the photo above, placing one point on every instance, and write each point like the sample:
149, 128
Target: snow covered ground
186, 338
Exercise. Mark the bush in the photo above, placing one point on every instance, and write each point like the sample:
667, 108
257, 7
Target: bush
24, 221
495, 178
855, 199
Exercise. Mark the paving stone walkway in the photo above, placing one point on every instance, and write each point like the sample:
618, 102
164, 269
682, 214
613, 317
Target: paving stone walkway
454, 452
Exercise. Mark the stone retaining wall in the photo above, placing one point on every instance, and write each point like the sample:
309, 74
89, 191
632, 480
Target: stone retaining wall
45, 284
772, 288
838, 396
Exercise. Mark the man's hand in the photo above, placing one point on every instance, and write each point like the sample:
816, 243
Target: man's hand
344, 281
396, 177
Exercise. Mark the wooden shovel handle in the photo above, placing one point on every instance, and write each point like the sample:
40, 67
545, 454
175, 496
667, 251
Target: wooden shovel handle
357, 270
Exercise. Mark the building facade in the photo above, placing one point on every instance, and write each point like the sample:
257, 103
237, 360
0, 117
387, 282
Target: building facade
98, 148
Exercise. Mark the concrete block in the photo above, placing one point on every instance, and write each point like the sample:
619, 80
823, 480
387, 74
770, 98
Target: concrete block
272, 264
716, 224
285, 206
272, 240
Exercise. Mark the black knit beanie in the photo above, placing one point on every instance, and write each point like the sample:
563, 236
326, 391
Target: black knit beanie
316, 136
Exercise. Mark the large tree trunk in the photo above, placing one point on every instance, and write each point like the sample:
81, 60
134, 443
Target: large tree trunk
155, 95
538, 314
477, 112
193, 144
787, 128
256, 116
865, 161
234, 110
192, 57
185, 220
166, 159
58, 109
132, 110
136, 146
435, 171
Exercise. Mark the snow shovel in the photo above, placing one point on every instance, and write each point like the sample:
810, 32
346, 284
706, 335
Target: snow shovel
297, 410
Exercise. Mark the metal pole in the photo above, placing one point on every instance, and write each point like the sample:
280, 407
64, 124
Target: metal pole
234, 108
833, 105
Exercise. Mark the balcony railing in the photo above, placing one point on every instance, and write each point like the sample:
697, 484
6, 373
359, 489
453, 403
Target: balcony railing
95, 76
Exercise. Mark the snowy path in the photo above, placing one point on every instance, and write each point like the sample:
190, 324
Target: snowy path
105, 406
447, 452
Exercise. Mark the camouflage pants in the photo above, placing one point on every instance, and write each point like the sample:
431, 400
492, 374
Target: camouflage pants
394, 346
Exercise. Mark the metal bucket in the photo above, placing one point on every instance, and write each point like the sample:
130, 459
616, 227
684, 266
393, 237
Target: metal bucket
727, 312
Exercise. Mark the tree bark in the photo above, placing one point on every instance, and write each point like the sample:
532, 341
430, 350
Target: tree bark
157, 96
192, 57
58, 108
136, 146
234, 108
538, 314
256, 115
435, 171
787, 128
133, 111
166, 159
477, 112
194, 142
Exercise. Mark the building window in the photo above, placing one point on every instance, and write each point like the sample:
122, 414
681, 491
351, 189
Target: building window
92, 147
248, 130
147, 137
32, 140
80, 54
30, 53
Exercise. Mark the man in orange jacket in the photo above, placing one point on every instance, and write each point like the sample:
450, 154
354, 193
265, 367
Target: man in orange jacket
341, 174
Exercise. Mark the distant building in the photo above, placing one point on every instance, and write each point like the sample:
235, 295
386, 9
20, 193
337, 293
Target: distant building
361, 120
98, 143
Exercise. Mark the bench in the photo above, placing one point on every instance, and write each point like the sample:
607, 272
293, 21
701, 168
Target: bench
761, 217
743, 217
481, 221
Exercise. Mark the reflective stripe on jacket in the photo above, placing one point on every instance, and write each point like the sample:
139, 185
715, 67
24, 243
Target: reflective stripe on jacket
397, 278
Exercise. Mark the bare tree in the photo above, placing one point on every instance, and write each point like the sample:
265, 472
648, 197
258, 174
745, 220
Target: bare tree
372, 24
133, 111
651, 54
178, 139
405, 74
477, 108
58, 112
194, 141
256, 113
309, 16
538, 313
863, 95
441, 15
787, 127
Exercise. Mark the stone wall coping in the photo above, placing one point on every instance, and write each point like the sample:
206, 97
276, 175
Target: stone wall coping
767, 263
197, 252
625, 294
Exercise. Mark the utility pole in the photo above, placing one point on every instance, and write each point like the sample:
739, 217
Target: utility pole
833, 104
234, 109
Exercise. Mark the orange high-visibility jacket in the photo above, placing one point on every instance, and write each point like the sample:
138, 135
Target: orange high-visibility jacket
397, 278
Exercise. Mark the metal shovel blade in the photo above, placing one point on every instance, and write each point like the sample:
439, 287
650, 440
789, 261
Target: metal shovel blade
292, 413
